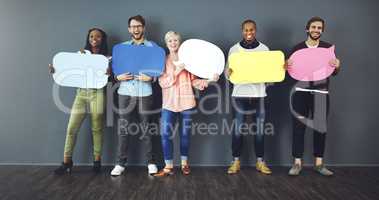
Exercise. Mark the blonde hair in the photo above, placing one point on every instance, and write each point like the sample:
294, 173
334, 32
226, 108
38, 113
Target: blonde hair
171, 34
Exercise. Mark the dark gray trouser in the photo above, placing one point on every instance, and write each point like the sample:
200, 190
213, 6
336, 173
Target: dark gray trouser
305, 103
127, 106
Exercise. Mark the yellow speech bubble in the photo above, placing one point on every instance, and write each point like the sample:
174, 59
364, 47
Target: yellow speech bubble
257, 67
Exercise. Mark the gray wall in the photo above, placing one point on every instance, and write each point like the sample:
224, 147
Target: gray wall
32, 128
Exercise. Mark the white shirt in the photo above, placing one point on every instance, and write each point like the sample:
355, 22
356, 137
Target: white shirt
249, 89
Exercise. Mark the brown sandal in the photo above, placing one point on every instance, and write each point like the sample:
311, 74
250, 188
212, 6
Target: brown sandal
165, 172
186, 169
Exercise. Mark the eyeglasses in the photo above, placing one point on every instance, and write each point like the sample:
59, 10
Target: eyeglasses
136, 27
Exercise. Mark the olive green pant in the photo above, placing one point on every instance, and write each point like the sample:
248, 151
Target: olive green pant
91, 100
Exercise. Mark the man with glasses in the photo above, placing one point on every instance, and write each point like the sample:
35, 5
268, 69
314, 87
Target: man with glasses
135, 93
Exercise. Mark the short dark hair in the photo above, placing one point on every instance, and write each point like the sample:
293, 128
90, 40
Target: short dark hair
315, 19
248, 21
137, 18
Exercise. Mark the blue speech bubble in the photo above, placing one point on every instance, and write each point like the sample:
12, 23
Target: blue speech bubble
136, 59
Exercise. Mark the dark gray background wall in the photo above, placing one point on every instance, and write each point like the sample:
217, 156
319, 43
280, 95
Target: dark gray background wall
32, 128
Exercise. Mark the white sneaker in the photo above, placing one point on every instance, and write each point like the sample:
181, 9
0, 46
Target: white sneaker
152, 168
117, 170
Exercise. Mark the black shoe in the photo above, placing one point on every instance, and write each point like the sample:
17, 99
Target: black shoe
97, 166
65, 167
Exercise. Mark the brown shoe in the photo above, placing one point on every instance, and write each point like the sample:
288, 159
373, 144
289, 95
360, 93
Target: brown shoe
165, 172
186, 170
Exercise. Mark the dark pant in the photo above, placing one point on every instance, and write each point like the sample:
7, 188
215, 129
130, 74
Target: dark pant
127, 106
248, 106
305, 105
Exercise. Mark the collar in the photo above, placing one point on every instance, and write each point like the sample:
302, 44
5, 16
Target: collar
247, 45
142, 43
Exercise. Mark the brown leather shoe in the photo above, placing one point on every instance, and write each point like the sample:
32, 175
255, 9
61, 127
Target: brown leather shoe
165, 172
186, 169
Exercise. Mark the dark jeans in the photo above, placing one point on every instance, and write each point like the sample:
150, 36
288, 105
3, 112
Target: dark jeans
305, 104
127, 106
168, 127
248, 106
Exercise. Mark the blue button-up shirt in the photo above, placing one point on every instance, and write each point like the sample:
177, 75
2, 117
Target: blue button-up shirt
136, 88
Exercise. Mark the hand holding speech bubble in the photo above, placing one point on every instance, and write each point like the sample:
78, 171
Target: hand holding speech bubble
312, 64
136, 59
201, 58
80, 70
256, 67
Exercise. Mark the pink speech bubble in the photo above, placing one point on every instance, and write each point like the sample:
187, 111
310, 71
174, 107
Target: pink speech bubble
312, 64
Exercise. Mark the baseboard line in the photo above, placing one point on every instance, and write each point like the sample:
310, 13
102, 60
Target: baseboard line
194, 165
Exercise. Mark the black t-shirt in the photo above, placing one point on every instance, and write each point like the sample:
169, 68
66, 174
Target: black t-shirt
316, 85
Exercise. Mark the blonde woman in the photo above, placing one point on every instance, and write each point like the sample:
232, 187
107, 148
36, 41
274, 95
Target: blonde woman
178, 104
